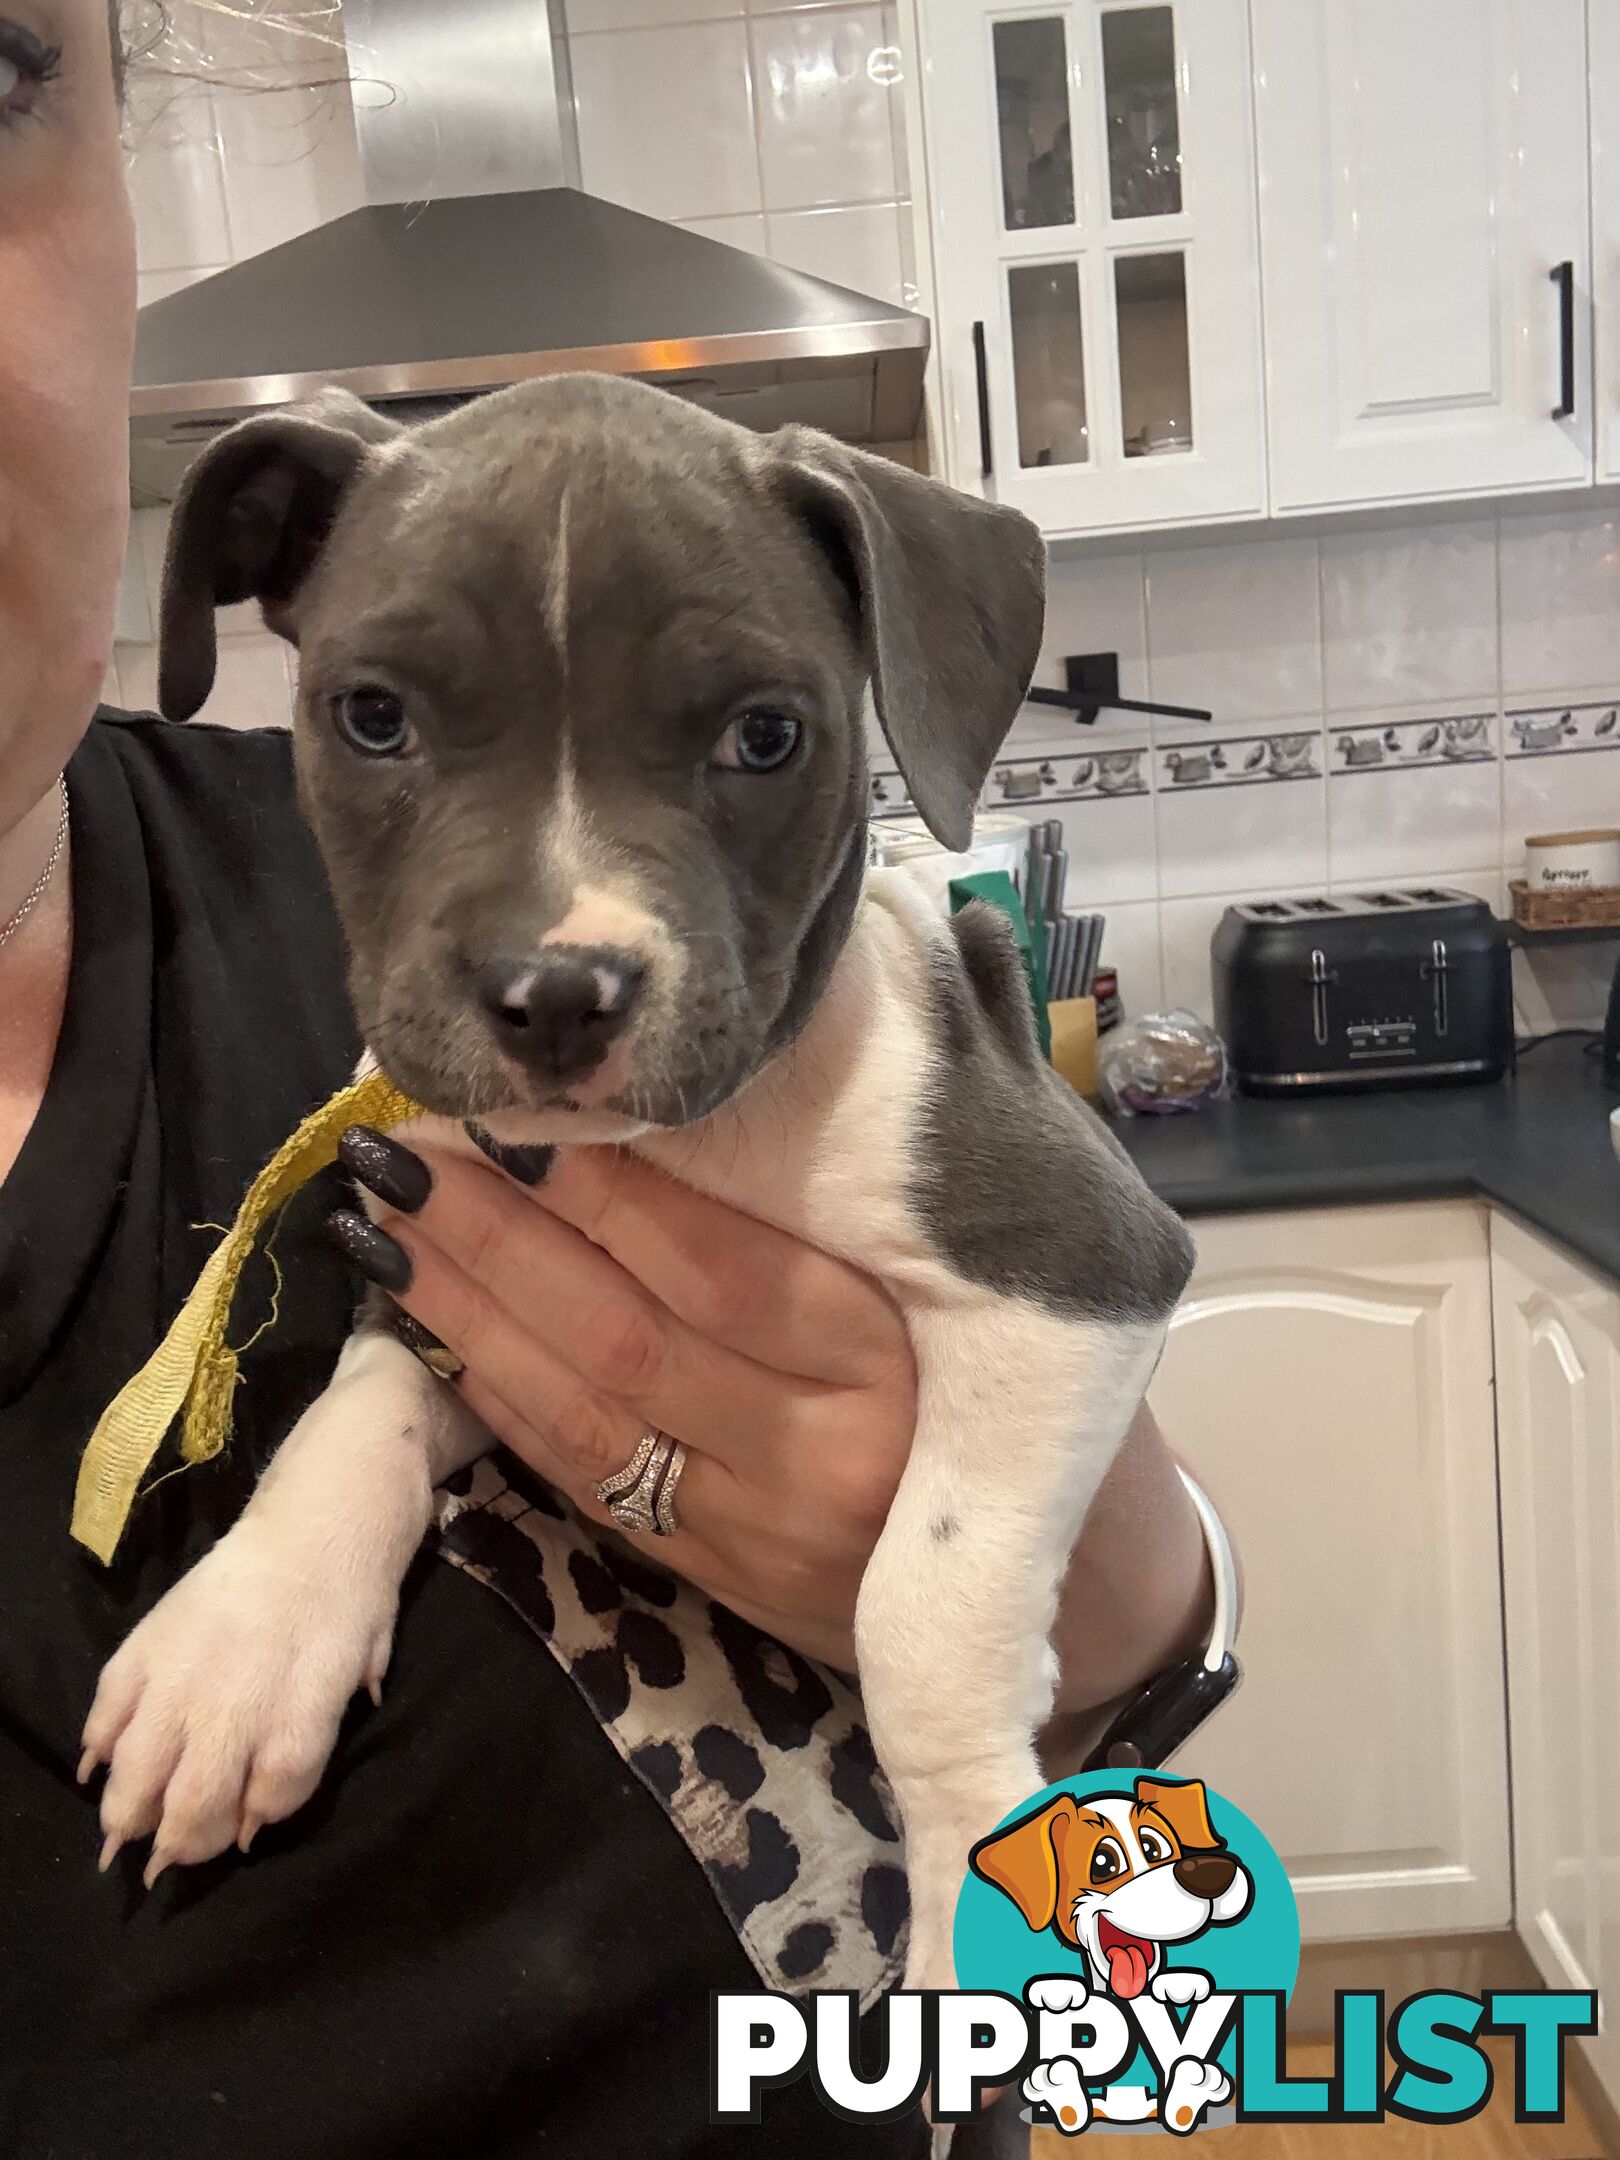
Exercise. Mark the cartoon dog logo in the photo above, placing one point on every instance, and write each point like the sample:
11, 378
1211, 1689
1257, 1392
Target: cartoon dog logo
1118, 1876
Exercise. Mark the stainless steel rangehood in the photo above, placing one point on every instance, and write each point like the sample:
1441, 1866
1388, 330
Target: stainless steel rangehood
471, 267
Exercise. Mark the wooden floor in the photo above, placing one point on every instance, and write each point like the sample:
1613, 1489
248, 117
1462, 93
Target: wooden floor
1494, 2135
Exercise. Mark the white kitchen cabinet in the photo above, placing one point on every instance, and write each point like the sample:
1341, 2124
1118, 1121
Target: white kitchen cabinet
1423, 175
1096, 293
1558, 1408
1329, 1375
1603, 75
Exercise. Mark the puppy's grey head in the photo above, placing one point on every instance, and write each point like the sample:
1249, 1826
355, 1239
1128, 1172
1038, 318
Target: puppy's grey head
583, 677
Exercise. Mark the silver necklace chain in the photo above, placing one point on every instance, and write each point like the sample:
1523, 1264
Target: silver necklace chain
37, 892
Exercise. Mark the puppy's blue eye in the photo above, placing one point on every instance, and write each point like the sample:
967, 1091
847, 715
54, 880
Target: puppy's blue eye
758, 741
372, 720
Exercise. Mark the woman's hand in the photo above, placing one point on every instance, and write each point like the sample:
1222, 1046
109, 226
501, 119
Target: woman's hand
607, 1298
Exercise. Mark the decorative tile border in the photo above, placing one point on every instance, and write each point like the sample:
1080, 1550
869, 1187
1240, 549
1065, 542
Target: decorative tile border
1560, 730
1469, 739
1240, 761
1079, 775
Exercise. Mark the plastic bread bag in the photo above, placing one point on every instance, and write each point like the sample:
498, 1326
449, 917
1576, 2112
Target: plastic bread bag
1161, 1064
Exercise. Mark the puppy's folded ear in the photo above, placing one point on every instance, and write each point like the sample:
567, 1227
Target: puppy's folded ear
1022, 1861
249, 523
950, 593
1185, 1807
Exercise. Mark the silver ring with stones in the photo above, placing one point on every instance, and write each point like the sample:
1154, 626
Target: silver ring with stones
641, 1496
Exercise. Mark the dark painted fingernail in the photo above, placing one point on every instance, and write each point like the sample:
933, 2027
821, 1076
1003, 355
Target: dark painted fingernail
528, 1165
373, 1251
398, 1178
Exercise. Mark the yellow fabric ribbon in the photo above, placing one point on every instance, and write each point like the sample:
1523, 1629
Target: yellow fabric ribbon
194, 1369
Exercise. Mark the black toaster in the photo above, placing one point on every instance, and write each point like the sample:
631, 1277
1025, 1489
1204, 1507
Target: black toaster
1403, 987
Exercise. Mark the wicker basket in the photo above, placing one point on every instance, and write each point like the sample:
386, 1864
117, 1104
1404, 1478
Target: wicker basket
1582, 907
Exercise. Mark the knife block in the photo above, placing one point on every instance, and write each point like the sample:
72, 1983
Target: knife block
1074, 1042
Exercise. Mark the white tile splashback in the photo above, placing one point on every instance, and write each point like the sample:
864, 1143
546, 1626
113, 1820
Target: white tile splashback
666, 119
1409, 614
823, 84
857, 246
776, 128
1366, 731
1211, 648
1560, 603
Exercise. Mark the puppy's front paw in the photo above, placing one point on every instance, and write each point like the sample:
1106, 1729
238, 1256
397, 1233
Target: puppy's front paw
1180, 1985
1058, 2086
1058, 1992
220, 1711
1193, 2087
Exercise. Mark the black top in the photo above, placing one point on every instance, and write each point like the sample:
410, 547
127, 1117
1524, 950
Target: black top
1536, 1143
483, 1934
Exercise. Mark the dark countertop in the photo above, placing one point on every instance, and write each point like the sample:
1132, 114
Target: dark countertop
1537, 1143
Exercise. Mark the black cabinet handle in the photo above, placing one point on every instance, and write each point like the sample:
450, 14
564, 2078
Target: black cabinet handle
1563, 276
981, 370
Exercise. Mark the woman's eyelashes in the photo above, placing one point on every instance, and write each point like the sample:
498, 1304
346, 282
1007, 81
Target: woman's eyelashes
27, 67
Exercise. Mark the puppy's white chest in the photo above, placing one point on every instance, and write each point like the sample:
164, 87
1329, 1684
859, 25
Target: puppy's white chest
825, 1142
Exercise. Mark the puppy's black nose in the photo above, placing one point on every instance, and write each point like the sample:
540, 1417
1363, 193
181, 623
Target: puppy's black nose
1205, 1874
559, 1010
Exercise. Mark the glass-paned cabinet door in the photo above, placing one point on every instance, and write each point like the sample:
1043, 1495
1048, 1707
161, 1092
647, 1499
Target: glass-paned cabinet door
1142, 112
1095, 257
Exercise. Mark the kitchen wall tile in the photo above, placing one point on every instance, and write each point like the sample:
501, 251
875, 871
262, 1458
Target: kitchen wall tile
1561, 986
587, 15
910, 289
1486, 884
1110, 842
1229, 753
1411, 825
891, 71
291, 161
176, 181
740, 232
148, 538
666, 119
1558, 782
1244, 809
1096, 604
1564, 729
1438, 735
1046, 728
1560, 602
1413, 797
1409, 614
858, 246
824, 80
137, 667
254, 685
1130, 947
1236, 628
252, 688
1101, 797
135, 622
1185, 929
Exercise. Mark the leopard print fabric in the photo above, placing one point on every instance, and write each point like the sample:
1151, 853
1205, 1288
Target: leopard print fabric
758, 1756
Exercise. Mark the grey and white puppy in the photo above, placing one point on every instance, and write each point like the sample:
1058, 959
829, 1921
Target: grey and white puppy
581, 729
